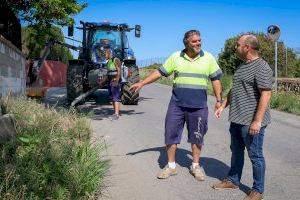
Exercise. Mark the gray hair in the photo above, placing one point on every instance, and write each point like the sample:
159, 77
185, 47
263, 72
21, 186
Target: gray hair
188, 34
252, 41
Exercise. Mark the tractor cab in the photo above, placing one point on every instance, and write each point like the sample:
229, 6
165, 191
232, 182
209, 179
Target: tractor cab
100, 36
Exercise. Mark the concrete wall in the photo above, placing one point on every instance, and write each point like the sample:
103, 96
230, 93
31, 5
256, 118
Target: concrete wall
289, 84
12, 69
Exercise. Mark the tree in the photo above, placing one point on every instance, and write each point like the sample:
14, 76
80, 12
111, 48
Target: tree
297, 69
286, 61
45, 13
33, 49
44, 18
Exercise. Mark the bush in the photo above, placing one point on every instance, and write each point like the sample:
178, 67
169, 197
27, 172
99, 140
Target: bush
286, 101
51, 157
144, 72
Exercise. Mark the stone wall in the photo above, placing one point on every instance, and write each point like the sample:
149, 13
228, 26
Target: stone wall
289, 84
12, 69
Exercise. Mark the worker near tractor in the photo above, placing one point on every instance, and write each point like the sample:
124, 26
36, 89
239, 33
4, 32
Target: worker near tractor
113, 65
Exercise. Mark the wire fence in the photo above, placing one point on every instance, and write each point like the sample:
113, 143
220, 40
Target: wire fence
150, 61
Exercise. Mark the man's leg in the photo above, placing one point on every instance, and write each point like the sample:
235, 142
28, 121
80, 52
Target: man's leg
174, 123
237, 147
171, 151
197, 127
254, 146
196, 151
116, 98
116, 106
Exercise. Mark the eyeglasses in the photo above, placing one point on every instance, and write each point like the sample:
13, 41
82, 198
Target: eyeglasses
239, 44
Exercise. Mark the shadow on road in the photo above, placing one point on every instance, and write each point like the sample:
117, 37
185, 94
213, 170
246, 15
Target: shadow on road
213, 168
99, 106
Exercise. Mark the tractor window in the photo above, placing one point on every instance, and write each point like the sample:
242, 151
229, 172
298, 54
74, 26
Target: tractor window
126, 44
110, 36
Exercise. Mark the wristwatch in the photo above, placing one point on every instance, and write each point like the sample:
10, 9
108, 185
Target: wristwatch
220, 101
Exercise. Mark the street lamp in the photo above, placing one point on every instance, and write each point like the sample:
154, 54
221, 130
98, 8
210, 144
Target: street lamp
274, 34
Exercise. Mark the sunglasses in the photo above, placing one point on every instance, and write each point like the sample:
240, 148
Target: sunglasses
239, 44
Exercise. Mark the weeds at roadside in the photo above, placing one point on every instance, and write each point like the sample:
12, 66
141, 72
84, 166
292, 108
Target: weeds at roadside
51, 157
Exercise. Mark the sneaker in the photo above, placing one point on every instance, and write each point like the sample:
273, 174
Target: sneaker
114, 117
253, 195
166, 172
224, 184
198, 173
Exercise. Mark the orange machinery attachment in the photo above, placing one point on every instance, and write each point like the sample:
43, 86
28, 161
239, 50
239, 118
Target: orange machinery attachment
51, 74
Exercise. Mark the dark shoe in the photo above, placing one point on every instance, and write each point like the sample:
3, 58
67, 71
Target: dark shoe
225, 184
253, 195
114, 117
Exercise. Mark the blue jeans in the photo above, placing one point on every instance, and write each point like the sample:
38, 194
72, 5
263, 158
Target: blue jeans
240, 138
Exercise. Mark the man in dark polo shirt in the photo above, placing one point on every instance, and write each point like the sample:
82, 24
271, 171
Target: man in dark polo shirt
249, 114
192, 69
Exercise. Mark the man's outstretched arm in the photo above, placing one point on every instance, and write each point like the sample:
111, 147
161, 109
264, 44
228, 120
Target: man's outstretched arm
149, 79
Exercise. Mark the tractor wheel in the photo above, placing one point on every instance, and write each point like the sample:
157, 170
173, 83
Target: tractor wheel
128, 97
74, 81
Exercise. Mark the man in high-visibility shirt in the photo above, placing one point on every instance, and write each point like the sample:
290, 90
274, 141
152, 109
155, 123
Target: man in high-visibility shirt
192, 67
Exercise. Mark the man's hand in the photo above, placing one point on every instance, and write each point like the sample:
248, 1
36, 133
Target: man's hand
115, 82
102, 81
218, 105
254, 128
219, 111
137, 86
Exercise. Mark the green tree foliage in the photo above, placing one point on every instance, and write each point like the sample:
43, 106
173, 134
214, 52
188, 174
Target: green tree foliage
33, 48
44, 13
297, 69
43, 17
286, 57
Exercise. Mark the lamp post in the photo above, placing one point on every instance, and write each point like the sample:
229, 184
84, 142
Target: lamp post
274, 34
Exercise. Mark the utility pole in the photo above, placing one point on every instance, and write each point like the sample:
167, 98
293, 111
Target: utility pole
286, 57
274, 34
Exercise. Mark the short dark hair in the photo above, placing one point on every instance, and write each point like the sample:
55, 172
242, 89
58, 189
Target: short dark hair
188, 34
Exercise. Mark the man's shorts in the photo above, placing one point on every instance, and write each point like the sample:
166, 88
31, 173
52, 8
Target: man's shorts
114, 91
195, 119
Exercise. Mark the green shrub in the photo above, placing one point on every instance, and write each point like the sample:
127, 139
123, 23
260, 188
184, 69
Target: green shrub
51, 157
286, 101
144, 72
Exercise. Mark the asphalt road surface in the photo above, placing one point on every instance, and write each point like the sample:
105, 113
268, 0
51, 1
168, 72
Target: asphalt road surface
135, 146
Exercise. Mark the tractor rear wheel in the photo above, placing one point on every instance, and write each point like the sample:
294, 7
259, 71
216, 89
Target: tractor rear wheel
128, 97
74, 81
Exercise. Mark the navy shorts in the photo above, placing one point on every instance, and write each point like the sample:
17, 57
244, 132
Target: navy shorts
195, 119
114, 91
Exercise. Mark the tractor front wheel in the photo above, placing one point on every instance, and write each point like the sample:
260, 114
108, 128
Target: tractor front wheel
74, 81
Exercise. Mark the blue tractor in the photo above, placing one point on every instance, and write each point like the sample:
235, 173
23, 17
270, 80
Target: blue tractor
84, 73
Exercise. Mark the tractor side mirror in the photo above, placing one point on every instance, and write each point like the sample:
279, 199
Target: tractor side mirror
138, 31
70, 30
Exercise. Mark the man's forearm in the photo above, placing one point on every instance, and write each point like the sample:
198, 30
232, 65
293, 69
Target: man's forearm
226, 101
217, 89
152, 77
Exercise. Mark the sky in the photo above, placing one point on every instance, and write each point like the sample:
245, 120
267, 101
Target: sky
164, 22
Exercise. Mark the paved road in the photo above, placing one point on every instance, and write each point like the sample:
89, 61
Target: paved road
137, 153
